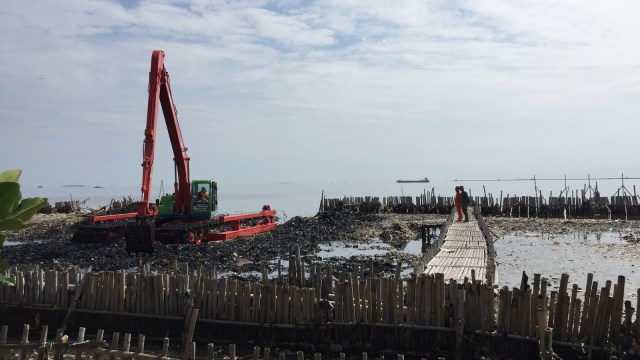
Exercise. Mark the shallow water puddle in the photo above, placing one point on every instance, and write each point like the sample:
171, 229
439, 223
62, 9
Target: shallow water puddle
413, 247
344, 250
15, 243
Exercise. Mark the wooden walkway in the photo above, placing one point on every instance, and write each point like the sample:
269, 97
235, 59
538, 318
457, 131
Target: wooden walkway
463, 253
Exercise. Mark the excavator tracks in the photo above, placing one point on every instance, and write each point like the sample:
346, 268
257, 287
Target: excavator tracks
105, 232
191, 232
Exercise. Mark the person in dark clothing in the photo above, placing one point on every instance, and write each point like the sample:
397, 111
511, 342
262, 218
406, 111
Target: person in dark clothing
203, 195
464, 201
458, 204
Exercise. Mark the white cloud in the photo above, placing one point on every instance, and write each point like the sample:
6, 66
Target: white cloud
526, 80
287, 30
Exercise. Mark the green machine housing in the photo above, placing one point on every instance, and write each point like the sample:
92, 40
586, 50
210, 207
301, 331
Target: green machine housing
204, 201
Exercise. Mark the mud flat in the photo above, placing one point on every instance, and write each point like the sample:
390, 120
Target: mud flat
551, 247
546, 246
345, 239
550, 226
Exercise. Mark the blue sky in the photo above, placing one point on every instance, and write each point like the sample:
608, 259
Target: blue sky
323, 91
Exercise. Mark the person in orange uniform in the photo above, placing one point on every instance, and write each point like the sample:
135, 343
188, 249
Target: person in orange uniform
458, 203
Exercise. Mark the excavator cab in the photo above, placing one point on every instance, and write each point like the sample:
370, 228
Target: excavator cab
204, 201
204, 198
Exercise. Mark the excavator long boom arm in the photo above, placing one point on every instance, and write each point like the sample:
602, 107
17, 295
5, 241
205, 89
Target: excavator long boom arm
160, 94
187, 222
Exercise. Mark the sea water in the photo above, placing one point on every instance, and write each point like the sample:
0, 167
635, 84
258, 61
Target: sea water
303, 199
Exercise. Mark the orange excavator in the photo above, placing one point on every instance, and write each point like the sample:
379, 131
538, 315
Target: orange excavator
186, 216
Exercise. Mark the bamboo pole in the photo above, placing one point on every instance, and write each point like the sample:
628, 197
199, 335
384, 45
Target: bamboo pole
542, 314
129, 355
502, 295
587, 298
552, 309
355, 290
393, 301
564, 316
24, 341
80, 339
616, 315
3, 334
636, 326
576, 323
560, 315
548, 334
600, 316
165, 347
411, 299
534, 305
468, 309
44, 332
428, 300
286, 305
300, 268
191, 325
419, 302
114, 343
507, 314
572, 308
460, 325
515, 311
589, 327
126, 346
75, 299
526, 319
140, 348
61, 339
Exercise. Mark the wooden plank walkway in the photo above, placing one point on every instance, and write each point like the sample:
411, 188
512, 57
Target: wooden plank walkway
464, 250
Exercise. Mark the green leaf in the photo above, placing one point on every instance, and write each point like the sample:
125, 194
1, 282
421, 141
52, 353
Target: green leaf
2, 238
6, 280
9, 198
11, 224
12, 175
4, 265
27, 208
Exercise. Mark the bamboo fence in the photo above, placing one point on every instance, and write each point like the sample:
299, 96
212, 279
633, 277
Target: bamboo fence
126, 347
514, 206
316, 294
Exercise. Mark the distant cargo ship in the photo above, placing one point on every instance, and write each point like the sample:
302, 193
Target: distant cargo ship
425, 180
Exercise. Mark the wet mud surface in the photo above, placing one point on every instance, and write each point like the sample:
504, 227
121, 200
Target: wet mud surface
550, 247
345, 240
324, 238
